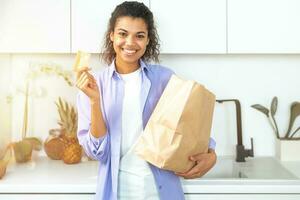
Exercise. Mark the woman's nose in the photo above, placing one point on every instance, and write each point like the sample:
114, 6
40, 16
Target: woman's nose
130, 40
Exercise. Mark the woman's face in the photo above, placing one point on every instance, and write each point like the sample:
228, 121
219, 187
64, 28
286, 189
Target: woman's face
130, 39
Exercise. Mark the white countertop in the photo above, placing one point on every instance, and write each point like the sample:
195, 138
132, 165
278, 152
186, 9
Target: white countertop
43, 175
265, 175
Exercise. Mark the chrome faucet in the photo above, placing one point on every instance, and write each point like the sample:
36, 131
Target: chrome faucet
241, 152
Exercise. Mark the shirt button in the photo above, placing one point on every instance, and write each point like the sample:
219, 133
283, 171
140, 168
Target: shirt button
96, 143
94, 151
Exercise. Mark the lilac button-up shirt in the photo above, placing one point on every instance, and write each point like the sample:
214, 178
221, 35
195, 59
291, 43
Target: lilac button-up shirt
107, 148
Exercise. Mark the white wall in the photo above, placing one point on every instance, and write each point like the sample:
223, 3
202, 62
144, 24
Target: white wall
5, 107
249, 78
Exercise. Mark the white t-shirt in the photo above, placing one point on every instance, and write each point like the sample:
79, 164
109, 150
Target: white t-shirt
136, 181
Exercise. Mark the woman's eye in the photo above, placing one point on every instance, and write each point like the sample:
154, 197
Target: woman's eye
122, 34
140, 36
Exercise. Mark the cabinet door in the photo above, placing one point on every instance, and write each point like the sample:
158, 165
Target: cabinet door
263, 26
193, 26
47, 196
89, 23
35, 26
242, 196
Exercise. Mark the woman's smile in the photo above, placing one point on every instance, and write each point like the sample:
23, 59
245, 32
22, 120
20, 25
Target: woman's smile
129, 52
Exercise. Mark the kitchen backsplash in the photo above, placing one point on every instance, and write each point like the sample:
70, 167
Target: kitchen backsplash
250, 78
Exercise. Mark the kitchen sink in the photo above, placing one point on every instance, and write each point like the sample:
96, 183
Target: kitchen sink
254, 168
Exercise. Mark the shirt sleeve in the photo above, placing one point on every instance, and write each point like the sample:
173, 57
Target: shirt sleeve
212, 144
96, 148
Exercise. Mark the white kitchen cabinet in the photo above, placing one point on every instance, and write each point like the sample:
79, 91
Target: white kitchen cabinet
89, 23
34, 26
263, 26
194, 26
47, 196
242, 196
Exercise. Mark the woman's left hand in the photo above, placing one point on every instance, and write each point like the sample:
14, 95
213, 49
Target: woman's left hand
204, 162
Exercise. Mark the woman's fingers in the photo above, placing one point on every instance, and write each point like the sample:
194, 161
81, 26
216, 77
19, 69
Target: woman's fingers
86, 80
82, 70
80, 80
87, 84
82, 83
90, 77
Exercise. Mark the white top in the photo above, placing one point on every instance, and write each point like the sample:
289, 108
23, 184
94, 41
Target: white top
136, 180
131, 113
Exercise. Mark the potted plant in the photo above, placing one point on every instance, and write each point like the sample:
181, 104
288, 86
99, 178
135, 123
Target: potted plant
23, 149
22, 152
288, 144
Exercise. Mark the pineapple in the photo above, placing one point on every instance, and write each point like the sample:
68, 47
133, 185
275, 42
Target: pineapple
68, 119
68, 122
72, 154
58, 143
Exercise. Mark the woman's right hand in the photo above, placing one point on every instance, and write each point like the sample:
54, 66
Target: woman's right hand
87, 84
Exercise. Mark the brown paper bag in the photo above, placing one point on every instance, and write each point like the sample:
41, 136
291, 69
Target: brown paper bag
179, 126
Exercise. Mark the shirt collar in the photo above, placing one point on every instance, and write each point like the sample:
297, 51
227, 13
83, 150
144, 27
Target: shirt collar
113, 71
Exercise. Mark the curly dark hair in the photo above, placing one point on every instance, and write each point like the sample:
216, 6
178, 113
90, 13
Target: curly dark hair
136, 10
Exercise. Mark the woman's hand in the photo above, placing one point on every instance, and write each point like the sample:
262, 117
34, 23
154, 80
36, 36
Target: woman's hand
87, 84
204, 162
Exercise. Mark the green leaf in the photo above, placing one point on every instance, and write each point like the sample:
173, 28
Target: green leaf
261, 109
274, 106
294, 113
297, 129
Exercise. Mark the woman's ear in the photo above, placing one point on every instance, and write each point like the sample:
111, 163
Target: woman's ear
111, 35
148, 41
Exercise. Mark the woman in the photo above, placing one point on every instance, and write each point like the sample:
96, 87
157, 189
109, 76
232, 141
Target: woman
115, 104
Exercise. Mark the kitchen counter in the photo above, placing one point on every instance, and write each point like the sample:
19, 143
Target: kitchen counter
43, 175
256, 175
259, 175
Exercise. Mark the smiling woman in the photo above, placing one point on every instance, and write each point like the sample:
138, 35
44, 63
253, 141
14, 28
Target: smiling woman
115, 104
143, 28
130, 39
